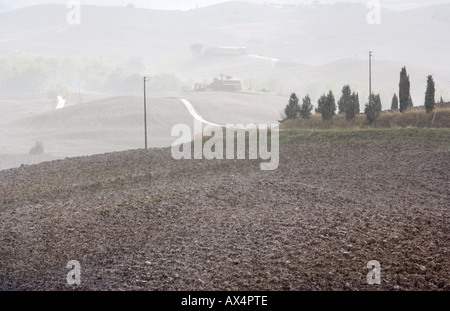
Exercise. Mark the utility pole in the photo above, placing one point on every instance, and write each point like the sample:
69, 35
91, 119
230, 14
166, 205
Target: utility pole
370, 76
145, 112
80, 98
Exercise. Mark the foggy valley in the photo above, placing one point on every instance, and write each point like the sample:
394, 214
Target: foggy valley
307, 49
358, 180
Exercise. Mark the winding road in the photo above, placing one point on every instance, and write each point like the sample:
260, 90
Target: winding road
195, 113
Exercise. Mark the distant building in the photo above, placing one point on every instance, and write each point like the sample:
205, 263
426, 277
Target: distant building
223, 83
226, 83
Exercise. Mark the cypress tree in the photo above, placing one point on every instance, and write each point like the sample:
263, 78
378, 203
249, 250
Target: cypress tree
378, 106
292, 109
429, 95
345, 99
321, 103
394, 105
328, 109
404, 90
373, 108
306, 108
353, 108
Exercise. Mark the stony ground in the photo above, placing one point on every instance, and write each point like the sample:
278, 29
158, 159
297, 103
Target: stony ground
139, 220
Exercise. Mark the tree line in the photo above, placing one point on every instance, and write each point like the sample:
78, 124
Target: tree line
27, 76
348, 104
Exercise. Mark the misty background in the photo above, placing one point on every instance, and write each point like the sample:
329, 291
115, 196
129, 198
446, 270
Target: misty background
77, 89
192, 4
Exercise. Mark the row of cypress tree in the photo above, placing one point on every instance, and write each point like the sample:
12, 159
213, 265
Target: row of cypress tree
403, 102
348, 104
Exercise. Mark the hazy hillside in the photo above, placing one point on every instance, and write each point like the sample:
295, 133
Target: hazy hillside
190, 4
303, 34
345, 198
302, 49
298, 37
116, 124
97, 127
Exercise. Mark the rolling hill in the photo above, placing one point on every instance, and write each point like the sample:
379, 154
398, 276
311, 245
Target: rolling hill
140, 220
309, 42
116, 124
307, 50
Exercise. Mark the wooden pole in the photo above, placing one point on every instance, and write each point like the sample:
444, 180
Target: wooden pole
145, 112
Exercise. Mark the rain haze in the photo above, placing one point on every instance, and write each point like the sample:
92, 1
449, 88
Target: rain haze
95, 63
73, 75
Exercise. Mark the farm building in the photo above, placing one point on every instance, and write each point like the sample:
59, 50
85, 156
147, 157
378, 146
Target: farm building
222, 83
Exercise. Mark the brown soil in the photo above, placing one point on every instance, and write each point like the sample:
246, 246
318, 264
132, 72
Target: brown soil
139, 220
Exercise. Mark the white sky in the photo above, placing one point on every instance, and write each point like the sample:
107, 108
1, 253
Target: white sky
190, 4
